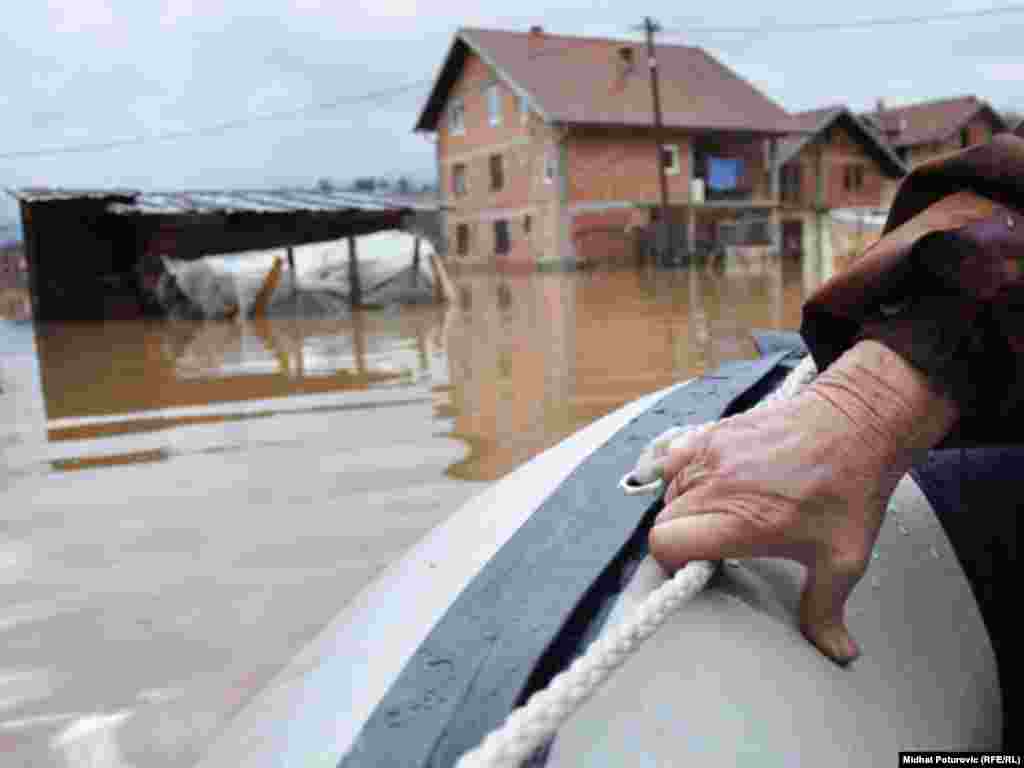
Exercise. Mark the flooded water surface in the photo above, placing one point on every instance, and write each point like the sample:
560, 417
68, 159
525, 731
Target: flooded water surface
184, 505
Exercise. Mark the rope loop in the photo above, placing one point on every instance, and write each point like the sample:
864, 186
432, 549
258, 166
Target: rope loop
531, 725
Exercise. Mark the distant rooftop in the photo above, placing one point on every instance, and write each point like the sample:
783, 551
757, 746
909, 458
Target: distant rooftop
929, 121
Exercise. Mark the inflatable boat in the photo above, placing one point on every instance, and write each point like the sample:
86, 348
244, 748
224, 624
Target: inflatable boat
500, 598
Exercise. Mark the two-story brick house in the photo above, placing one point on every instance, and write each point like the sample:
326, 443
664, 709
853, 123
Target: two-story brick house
835, 162
922, 131
545, 142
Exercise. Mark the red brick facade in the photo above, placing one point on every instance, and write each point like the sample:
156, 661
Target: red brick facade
851, 177
563, 192
525, 201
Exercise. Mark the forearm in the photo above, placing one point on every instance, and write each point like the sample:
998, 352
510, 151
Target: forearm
894, 407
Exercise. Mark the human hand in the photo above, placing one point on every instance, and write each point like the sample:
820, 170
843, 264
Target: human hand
806, 479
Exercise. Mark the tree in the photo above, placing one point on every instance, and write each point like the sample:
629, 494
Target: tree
325, 185
403, 187
365, 184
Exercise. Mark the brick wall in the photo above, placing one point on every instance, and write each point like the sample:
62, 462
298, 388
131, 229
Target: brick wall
524, 144
840, 150
623, 166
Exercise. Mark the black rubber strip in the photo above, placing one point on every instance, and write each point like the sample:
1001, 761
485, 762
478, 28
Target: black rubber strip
469, 672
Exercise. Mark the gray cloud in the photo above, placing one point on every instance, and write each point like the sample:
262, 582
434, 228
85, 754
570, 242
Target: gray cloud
94, 70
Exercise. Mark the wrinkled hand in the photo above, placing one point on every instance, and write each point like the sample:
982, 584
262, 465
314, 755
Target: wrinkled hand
806, 479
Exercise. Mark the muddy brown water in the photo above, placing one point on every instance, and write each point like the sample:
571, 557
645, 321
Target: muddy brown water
184, 505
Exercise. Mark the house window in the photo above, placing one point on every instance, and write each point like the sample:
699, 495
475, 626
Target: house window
462, 239
497, 173
501, 240
550, 166
853, 178
457, 117
527, 223
670, 159
493, 104
965, 137
459, 179
789, 180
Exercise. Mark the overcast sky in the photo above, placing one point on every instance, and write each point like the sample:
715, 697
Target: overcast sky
80, 71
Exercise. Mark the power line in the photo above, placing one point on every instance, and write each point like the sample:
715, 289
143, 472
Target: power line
856, 24
215, 128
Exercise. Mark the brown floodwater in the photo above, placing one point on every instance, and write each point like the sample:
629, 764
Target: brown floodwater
184, 505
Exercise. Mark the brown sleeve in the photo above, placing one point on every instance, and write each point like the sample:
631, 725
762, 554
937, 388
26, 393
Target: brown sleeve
943, 288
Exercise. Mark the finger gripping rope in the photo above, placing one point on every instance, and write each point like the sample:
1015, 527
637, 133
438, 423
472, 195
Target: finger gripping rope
531, 725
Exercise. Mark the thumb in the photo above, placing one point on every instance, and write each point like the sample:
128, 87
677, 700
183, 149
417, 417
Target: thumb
684, 450
822, 606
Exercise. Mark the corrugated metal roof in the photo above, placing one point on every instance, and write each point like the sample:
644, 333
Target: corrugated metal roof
46, 194
281, 200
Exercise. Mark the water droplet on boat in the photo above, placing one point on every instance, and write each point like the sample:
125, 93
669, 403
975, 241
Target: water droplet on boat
876, 583
903, 529
935, 553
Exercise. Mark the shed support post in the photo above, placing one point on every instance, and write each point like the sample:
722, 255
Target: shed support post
355, 290
416, 261
291, 270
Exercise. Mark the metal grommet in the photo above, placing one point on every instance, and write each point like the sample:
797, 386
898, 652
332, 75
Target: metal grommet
631, 488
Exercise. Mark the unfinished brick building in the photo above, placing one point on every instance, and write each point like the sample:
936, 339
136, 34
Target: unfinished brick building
547, 154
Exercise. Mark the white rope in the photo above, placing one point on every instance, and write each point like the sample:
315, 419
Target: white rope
530, 726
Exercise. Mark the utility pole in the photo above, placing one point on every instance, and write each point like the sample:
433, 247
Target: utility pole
650, 27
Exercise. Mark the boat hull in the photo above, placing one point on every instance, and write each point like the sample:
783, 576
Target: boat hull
496, 600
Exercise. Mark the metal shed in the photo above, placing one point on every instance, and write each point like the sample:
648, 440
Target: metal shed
84, 246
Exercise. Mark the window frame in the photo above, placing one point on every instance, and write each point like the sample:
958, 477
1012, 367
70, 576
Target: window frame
457, 107
853, 177
492, 95
462, 239
790, 181
460, 184
550, 166
674, 168
502, 237
497, 172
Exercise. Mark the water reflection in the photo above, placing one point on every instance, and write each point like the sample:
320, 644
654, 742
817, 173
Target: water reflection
518, 362
237, 483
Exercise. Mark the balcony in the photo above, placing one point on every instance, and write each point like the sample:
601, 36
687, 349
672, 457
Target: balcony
734, 171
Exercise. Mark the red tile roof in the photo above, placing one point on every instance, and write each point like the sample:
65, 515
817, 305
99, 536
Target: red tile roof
578, 80
811, 123
812, 120
928, 121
